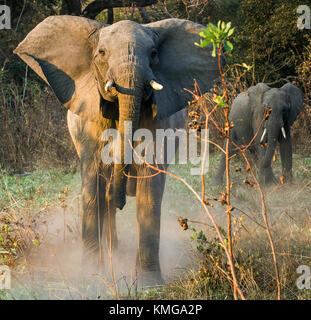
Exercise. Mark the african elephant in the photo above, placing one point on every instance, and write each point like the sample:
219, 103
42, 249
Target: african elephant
107, 75
264, 115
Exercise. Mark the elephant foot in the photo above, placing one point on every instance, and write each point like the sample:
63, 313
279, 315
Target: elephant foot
91, 262
287, 177
267, 177
148, 279
149, 274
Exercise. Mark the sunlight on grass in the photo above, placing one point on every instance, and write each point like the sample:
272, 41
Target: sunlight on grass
38, 188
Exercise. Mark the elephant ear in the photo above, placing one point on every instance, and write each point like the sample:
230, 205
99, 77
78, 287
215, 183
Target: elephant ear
180, 63
256, 94
60, 50
295, 98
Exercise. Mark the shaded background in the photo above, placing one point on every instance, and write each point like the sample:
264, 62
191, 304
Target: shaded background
33, 130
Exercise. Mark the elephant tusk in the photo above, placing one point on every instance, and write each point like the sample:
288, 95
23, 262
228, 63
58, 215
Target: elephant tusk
109, 85
283, 132
263, 135
155, 85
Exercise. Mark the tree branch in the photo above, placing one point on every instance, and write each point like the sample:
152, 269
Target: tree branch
95, 7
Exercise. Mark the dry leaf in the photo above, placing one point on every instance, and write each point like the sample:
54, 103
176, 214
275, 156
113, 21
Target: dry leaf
282, 179
250, 183
183, 223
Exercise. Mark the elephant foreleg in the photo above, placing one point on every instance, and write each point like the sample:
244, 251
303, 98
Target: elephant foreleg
110, 239
131, 182
92, 217
286, 156
148, 199
266, 175
99, 215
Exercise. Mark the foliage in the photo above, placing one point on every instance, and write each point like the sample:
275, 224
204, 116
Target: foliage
217, 36
202, 11
267, 31
269, 37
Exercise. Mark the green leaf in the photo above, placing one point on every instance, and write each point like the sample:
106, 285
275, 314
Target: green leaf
228, 46
219, 100
230, 32
228, 26
247, 66
217, 36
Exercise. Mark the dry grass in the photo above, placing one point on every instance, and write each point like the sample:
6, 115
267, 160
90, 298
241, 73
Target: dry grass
288, 209
33, 128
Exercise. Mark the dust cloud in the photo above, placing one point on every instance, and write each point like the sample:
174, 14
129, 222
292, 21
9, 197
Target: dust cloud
55, 269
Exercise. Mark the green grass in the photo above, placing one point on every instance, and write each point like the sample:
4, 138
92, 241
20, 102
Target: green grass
39, 188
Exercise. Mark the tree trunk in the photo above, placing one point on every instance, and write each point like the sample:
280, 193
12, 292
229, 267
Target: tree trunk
110, 16
144, 14
95, 7
71, 7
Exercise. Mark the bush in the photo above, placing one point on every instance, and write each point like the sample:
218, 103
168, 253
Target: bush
33, 125
269, 38
301, 129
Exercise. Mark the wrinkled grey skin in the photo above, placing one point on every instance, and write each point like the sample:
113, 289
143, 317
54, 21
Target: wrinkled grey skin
77, 57
247, 113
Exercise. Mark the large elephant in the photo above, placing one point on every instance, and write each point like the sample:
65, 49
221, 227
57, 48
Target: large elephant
280, 108
107, 75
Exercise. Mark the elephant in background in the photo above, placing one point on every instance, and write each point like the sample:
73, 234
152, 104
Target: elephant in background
280, 108
106, 75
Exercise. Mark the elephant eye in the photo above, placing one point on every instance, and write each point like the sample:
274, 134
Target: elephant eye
101, 52
154, 53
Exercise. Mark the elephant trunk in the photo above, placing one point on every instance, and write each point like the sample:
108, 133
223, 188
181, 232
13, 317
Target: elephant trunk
274, 130
129, 110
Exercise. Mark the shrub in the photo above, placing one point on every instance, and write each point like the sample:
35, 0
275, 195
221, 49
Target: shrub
33, 125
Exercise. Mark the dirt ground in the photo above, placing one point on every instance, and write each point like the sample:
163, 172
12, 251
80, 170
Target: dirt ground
55, 269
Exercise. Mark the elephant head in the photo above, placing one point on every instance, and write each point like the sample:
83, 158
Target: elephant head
283, 106
114, 71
